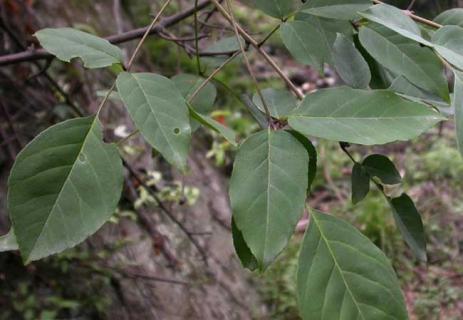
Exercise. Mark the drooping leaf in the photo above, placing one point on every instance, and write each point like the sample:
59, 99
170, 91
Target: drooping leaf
343, 275
242, 250
210, 123
360, 183
448, 43
68, 43
8, 242
336, 9
187, 85
350, 64
361, 116
417, 64
280, 102
305, 43
268, 190
408, 220
381, 167
276, 8
396, 20
313, 157
457, 104
160, 113
451, 17
63, 187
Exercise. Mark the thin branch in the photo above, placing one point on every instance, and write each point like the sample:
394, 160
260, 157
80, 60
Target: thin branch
39, 54
264, 54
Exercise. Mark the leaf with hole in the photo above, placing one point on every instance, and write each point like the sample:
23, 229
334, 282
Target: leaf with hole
268, 190
396, 20
160, 113
336, 9
361, 116
68, 43
343, 275
63, 187
350, 64
279, 101
360, 183
408, 220
402, 57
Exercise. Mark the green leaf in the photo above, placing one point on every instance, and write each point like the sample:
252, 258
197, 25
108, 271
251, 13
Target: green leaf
360, 183
187, 85
160, 113
279, 101
225, 45
381, 167
63, 187
448, 43
312, 156
276, 8
328, 28
268, 190
409, 222
242, 250
396, 20
457, 103
306, 44
68, 43
350, 64
336, 9
8, 242
410, 91
417, 64
361, 116
210, 123
451, 17
258, 115
343, 275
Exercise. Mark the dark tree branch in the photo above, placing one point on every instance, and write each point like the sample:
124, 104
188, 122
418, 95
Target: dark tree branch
39, 54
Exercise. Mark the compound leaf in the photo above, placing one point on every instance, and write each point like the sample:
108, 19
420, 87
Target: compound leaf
160, 113
63, 187
68, 43
343, 275
268, 190
361, 116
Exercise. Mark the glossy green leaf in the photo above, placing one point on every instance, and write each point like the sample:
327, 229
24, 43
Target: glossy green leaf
396, 20
361, 116
306, 44
360, 183
160, 113
381, 167
336, 9
210, 123
350, 64
63, 187
343, 275
408, 220
457, 104
68, 43
279, 101
448, 42
276, 8
313, 157
268, 190
417, 64
187, 85
451, 17
8, 242
242, 250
